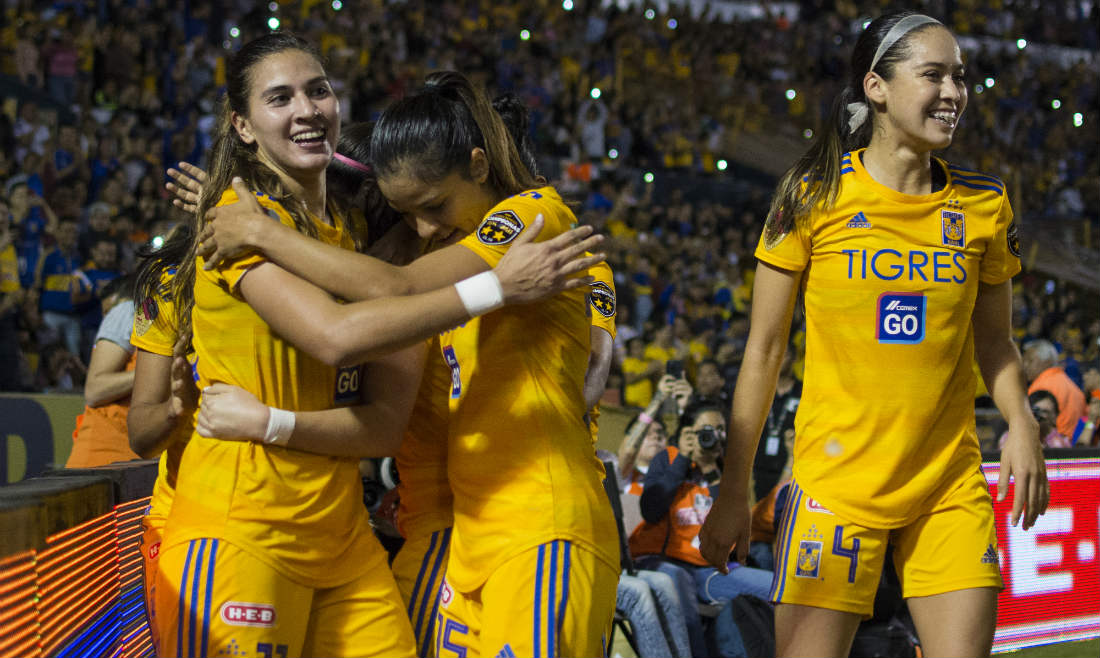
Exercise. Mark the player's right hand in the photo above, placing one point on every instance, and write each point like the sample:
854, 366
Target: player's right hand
531, 271
726, 528
188, 186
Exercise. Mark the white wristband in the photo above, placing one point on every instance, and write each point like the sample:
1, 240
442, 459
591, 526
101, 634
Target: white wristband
480, 293
280, 425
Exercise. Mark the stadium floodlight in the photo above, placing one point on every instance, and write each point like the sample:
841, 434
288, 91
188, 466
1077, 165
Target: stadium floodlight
337, 5
808, 133
595, 93
1021, 43
791, 94
1078, 119
234, 31
273, 6
273, 23
650, 14
978, 89
567, 5
672, 23
525, 35
722, 165
1056, 104
989, 82
613, 153
648, 177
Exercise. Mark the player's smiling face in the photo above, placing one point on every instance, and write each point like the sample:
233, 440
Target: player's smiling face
446, 210
926, 96
293, 116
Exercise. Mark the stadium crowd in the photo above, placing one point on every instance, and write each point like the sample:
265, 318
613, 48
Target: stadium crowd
630, 109
107, 97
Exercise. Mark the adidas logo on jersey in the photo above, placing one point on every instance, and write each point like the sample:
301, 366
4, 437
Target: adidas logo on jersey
859, 220
990, 556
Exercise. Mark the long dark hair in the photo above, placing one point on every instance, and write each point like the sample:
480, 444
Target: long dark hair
431, 133
815, 179
357, 185
229, 156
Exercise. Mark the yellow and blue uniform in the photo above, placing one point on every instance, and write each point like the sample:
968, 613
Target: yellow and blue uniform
424, 514
534, 559
269, 549
885, 432
155, 332
604, 307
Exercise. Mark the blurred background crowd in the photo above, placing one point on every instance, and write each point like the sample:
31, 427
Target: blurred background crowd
667, 122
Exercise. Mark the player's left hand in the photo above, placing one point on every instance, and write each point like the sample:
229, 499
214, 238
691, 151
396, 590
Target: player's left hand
233, 229
1022, 460
230, 412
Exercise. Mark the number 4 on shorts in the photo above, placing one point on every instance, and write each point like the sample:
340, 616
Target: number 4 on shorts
850, 553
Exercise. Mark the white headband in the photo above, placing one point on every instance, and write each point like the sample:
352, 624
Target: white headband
858, 111
900, 29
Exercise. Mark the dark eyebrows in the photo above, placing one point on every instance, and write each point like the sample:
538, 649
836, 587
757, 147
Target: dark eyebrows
282, 89
941, 65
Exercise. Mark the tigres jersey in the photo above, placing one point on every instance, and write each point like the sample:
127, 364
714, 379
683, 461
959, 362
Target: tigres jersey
155, 332
887, 414
425, 495
301, 513
520, 458
604, 307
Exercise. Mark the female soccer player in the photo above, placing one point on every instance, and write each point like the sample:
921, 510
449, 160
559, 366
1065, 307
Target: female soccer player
904, 263
533, 563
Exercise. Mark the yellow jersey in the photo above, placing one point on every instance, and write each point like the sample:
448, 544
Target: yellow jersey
520, 457
889, 281
603, 307
155, 332
426, 501
300, 513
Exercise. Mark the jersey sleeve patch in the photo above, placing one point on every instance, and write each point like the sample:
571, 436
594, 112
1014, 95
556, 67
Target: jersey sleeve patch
1014, 240
500, 228
145, 316
602, 298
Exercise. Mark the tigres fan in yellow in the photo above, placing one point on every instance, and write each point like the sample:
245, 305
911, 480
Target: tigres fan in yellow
155, 332
262, 540
885, 430
533, 564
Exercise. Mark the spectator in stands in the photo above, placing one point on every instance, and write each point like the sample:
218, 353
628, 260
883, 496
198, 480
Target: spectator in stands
1044, 406
89, 289
1041, 367
679, 489
638, 374
101, 434
11, 298
55, 281
33, 218
772, 456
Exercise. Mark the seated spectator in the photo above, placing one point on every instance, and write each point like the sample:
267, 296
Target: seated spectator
650, 602
1085, 435
1044, 407
1043, 372
101, 435
680, 487
773, 451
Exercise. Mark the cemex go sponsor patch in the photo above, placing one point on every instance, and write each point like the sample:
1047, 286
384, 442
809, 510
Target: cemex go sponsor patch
499, 228
237, 613
900, 318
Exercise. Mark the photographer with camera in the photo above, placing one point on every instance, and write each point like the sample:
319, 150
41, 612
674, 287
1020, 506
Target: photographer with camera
680, 485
